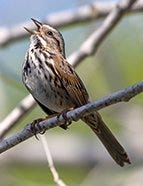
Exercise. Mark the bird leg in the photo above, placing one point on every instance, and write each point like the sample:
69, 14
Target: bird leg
36, 122
64, 115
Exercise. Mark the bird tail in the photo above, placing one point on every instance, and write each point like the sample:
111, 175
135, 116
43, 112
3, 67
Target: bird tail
114, 148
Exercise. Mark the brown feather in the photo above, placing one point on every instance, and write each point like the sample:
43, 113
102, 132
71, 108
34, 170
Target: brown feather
71, 81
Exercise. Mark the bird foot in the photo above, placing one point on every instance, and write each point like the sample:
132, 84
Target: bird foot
35, 127
67, 122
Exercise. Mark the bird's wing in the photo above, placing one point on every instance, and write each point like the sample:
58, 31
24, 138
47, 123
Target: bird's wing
71, 81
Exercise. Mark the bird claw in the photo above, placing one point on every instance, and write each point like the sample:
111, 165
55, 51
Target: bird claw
35, 127
67, 122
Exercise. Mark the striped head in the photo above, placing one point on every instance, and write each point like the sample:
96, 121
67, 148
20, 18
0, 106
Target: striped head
47, 36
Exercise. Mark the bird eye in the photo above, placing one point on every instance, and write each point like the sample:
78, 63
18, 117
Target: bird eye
49, 33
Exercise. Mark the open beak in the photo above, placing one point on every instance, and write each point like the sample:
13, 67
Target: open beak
30, 31
37, 23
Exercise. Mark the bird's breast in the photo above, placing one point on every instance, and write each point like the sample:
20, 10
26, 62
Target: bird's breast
44, 84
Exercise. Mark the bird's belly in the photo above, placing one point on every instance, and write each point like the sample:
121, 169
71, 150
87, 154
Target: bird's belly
52, 97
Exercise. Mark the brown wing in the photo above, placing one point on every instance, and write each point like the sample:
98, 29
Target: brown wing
71, 81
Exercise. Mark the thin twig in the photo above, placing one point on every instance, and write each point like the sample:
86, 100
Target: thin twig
52, 168
84, 13
120, 96
88, 48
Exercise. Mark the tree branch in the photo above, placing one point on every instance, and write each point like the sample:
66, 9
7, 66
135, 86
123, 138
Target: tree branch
16, 114
88, 48
56, 178
84, 13
120, 96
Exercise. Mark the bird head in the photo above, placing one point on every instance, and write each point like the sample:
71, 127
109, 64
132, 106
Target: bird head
47, 36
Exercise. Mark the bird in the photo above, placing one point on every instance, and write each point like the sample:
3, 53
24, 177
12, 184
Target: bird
56, 87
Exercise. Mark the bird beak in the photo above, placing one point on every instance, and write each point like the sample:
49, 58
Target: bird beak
37, 23
30, 31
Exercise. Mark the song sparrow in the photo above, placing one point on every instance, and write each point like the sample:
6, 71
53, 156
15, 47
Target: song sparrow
55, 85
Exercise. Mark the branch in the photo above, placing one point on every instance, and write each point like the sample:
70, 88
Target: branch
88, 48
120, 96
17, 114
84, 13
52, 168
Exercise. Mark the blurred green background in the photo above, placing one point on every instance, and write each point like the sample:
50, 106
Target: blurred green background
78, 155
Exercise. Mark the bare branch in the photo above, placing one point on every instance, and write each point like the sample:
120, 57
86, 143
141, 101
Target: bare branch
82, 14
120, 96
90, 46
87, 48
17, 114
52, 168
